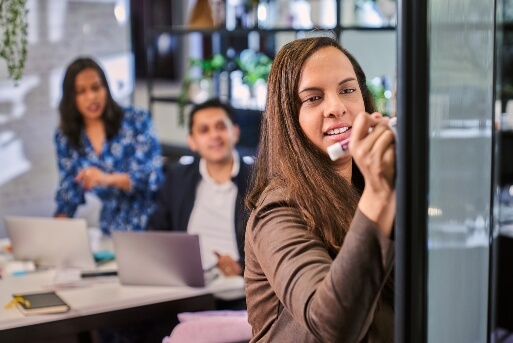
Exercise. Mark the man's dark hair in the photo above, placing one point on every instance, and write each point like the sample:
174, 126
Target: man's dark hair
212, 103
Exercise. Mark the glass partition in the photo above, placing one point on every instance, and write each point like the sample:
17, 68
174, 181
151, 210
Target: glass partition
445, 248
461, 85
503, 195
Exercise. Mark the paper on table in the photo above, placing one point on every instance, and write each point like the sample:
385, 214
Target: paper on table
14, 267
66, 276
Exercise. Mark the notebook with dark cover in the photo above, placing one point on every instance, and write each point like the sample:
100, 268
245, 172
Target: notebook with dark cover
40, 303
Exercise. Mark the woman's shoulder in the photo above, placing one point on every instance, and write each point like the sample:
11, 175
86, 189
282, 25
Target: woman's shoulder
58, 132
274, 208
59, 137
272, 196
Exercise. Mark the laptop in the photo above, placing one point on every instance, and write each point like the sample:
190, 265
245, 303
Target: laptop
51, 242
158, 258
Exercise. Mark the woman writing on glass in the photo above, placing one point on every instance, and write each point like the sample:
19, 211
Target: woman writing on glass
106, 149
319, 256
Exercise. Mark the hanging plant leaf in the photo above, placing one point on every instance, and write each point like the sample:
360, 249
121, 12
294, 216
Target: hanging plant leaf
13, 36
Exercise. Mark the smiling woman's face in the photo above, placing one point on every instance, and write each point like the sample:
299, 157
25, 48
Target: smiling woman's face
330, 97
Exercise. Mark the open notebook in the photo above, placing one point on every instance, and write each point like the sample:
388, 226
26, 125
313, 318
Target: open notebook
51, 242
158, 258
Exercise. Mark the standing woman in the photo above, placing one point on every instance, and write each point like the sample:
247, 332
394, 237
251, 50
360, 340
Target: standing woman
319, 256
105, 149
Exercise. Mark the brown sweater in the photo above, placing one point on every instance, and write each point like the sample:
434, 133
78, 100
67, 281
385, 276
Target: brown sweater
297, 293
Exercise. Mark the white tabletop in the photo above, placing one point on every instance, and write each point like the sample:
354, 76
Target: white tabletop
93, 296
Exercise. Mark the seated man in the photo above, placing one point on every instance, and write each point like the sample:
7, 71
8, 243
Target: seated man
205, 194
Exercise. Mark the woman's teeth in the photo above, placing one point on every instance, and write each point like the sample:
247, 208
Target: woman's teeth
337, 131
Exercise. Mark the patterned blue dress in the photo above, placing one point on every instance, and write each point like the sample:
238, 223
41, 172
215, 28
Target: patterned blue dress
135, 150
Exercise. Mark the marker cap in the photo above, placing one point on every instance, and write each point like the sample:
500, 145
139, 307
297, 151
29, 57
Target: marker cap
335, 151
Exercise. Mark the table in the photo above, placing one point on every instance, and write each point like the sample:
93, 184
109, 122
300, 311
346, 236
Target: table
100, 303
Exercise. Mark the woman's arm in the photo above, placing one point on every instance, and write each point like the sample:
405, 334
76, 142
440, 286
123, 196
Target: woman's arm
333, 299
143, 165
374, 154
69, 193
92, 176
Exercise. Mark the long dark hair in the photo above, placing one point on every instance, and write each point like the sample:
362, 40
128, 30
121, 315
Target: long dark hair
288, 160
71, 121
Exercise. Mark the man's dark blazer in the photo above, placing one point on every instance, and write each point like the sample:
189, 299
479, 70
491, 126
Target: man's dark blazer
175, 199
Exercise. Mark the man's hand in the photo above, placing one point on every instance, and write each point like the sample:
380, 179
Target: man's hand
227, 265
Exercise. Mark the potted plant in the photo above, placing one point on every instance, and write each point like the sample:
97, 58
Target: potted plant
254, 72
205, 68
254, 66
13, 36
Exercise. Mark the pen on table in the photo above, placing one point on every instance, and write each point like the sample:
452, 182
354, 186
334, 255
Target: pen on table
98, 273
210, 268
211, 273
337, 150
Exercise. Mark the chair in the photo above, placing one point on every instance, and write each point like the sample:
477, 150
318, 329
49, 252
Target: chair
211, 327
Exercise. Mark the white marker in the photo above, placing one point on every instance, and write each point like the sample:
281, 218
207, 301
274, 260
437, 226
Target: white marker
337, 150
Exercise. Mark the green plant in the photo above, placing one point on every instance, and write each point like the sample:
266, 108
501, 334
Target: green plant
381, 94
13, 36
207, 68
254, 66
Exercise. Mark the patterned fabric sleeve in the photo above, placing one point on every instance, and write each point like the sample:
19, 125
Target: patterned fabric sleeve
69, 193
145, 169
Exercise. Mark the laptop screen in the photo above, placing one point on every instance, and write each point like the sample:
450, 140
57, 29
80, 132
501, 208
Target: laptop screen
50, 242
158, 258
